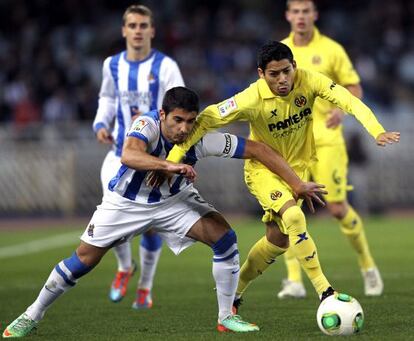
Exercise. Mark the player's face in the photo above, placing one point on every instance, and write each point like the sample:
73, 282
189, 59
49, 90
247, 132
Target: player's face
177, 124
301, 16
279, 76
138, 31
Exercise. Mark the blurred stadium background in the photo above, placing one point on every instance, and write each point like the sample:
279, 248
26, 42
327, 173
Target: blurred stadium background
50, 72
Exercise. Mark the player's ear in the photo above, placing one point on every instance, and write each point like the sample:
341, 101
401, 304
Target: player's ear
260, 72
294, 64
153, 32
123, 31
162, 115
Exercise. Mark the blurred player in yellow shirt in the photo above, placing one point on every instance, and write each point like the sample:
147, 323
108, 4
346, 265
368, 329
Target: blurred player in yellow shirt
278, 107
314, 51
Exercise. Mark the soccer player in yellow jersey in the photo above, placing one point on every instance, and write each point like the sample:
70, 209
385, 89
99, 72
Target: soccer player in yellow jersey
279, 108
314, 51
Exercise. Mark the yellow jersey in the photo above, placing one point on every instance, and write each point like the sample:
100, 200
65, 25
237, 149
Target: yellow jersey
326, 56
282, 122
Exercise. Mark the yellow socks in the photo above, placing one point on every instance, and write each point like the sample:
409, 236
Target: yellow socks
352, 228
294, 271
261, 255
302, 245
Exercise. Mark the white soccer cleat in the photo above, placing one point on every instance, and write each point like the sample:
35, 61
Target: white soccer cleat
373, 284
291, 289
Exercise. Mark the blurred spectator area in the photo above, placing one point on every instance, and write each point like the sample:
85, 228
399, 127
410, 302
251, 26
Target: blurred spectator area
50, 73
50, 64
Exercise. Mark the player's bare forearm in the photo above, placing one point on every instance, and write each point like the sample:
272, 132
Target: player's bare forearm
135, 156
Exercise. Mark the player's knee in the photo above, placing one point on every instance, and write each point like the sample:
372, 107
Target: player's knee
295, 220
76, 266
337, 209
151, 241
276, 237
226, 247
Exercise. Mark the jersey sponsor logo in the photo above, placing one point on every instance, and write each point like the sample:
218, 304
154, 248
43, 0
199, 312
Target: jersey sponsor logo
227, 147
140, 125
332, 85
300, 101
290, 121
316, 60
275, 195
90, 230
135, 98
227, 107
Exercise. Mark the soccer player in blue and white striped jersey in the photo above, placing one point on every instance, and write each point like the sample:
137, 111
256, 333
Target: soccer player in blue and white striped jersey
134, 81
175, 211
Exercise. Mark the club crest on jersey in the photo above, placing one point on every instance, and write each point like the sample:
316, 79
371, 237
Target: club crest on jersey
140, 125
90, 230
151, 78
275, 195
300, 101
227, 107
316, 60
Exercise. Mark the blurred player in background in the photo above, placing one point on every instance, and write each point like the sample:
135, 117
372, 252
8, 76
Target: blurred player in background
314, 51
133, 82
176, 210
278, 107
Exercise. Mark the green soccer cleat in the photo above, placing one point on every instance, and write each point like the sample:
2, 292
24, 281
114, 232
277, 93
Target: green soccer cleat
234, 323
20, 327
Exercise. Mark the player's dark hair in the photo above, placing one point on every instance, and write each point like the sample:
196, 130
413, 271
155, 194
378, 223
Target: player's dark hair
273, 50
139, 9
288, 2
180, 97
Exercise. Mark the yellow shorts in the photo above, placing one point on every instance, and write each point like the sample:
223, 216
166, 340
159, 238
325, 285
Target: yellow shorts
271, 192
331, 170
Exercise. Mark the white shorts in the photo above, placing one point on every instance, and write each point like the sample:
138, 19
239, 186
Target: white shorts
119, 219
109, 168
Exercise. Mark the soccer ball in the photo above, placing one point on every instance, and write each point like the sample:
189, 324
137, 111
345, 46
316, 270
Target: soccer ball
340, 314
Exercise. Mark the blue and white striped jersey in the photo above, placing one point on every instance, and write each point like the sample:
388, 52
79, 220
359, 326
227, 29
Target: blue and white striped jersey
128, 85
130, 183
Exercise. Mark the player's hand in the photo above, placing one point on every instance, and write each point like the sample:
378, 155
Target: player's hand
310, 191
103, 136
137, 114
335, 118
180, 168
389, 137
157, 178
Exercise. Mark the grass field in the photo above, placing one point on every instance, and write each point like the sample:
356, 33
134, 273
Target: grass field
184, 300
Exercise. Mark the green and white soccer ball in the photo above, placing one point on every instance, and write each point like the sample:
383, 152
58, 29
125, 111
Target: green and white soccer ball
340, 314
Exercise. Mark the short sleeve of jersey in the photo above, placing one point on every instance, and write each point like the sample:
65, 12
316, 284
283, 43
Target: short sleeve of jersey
221, 145
144, 128
343, 68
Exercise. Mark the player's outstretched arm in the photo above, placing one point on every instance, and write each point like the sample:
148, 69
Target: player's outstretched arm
388, 137
277, 164
134, 155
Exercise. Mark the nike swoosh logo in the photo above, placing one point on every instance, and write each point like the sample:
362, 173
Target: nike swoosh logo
49, 290
234, 272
